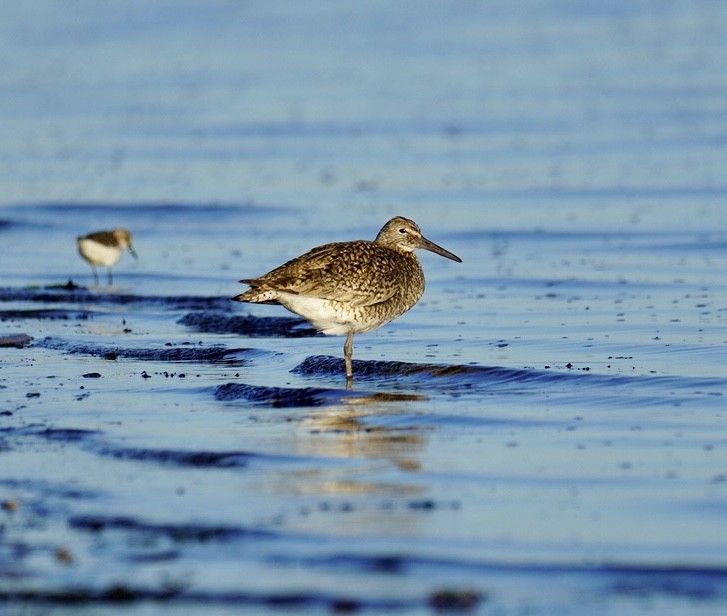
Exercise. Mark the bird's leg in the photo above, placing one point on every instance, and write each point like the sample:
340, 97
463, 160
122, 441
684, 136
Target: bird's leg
95, 275
111, 278
347, 353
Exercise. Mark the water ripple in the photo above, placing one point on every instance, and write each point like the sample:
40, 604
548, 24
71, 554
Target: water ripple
473, 376
211, 322
186, 353
73, 294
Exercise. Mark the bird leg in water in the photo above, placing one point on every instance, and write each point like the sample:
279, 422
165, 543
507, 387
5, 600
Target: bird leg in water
347, 353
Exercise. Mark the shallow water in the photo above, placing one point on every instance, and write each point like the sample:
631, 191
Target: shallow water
543, 433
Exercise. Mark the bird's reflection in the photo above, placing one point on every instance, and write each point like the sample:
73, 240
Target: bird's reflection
351, 431
364, 454
366, 428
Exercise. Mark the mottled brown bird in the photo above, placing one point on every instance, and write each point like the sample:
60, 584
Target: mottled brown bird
104, 248
350, 287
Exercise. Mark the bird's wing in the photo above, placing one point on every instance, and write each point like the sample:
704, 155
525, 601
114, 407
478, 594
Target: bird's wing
101, 237
359, 272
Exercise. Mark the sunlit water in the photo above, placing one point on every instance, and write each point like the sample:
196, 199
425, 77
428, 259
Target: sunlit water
543, 433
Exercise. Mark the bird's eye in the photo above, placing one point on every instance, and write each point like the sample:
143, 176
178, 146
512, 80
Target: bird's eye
402, 230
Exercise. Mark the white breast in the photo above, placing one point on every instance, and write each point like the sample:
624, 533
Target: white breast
330, 317
98, 254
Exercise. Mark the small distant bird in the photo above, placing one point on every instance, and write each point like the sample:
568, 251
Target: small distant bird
104, 248
350, 287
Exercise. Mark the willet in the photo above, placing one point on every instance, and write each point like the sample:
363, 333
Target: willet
104, 248
350, 287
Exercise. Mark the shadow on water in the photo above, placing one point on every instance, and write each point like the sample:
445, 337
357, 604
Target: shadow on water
182, 598
286, 397
71, 293
94, 441
185, 352
51, 314
480, 379
221, 323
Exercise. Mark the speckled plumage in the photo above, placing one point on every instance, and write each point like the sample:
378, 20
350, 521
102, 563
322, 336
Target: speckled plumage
104, 248
350, 287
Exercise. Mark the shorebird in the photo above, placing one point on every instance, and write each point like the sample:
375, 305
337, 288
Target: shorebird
104, 248
350, 287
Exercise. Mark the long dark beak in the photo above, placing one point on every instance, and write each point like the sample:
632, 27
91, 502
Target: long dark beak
132, 251
431, 246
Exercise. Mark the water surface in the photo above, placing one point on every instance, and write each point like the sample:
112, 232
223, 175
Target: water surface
543, 433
